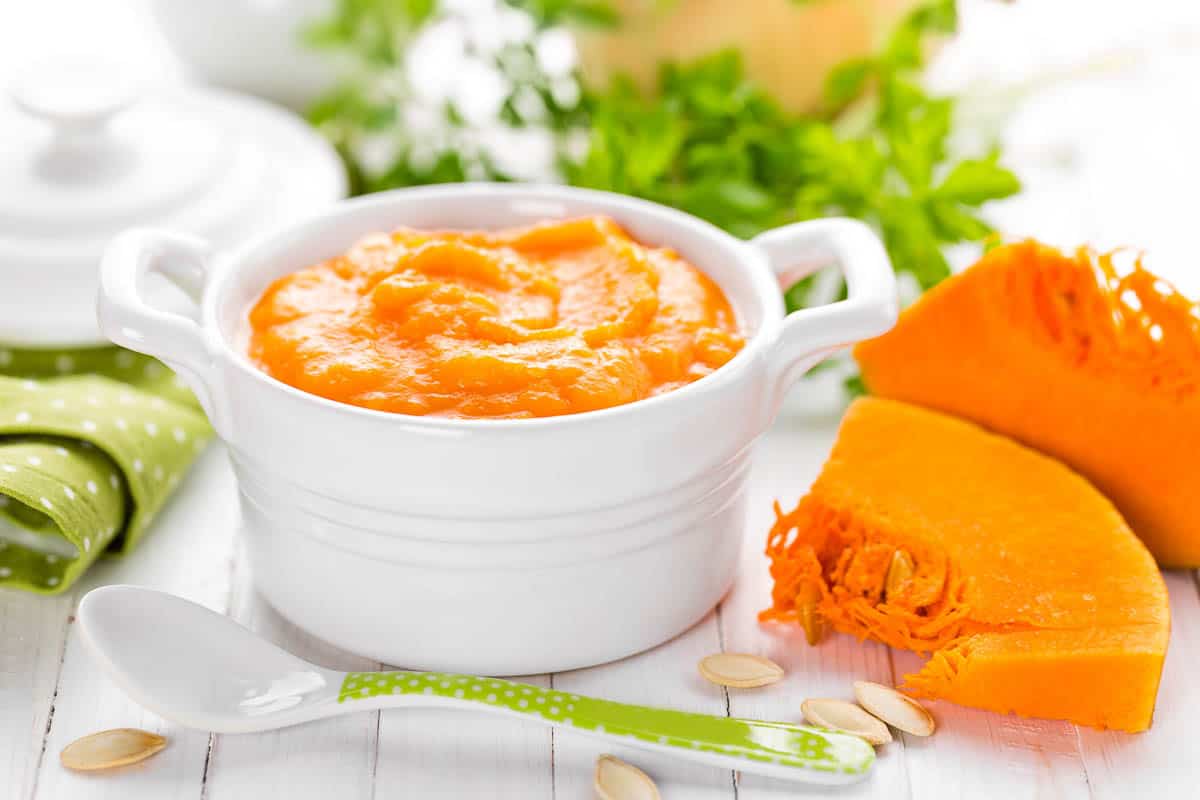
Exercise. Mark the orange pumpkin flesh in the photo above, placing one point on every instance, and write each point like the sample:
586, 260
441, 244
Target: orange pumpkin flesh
1028, 586
1059, 352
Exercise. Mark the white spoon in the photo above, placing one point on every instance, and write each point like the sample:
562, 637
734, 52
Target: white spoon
202, 670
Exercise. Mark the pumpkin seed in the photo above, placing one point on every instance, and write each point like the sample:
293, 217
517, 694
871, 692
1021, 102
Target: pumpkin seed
844, 717
896, 709
740, 670
900, 571
813, 622
113, 748
617, 780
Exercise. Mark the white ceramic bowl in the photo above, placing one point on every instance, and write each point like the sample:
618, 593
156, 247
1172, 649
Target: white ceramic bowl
493, 546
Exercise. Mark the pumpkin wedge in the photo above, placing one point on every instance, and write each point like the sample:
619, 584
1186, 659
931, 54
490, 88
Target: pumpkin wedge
1064, 354
1030, 590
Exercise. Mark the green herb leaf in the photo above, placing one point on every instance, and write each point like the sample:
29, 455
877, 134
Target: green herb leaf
976, 181
847, 81
954, 224
592, 13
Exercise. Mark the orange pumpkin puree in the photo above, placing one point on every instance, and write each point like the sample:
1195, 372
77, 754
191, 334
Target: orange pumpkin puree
556, 318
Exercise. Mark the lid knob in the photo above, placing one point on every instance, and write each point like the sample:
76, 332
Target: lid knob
75, 97
78, 98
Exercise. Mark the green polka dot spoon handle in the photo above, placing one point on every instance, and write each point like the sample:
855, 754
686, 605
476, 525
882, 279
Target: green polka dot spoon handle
202, 670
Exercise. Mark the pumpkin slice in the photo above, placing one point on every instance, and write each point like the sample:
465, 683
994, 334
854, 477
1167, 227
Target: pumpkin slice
1028, 586
1100, 371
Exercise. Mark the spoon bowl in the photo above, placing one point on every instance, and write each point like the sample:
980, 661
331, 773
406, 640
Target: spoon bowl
198, 668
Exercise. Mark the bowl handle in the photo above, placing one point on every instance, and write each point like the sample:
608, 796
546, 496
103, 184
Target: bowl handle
810, 335
130, 321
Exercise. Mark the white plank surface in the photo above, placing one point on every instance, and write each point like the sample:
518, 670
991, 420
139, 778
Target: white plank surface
188, 553
1159, 764
449, 754
1091, 175
333, 758
440, 754
974, 752
33, 635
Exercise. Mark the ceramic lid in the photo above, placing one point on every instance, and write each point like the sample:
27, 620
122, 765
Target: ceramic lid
89, 152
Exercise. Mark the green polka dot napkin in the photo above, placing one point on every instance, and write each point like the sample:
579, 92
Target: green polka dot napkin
92, 443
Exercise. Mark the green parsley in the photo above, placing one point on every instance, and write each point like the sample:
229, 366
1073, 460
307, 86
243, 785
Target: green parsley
710, 142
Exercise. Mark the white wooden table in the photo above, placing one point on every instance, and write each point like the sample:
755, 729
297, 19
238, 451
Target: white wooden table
51, 693
1109, 158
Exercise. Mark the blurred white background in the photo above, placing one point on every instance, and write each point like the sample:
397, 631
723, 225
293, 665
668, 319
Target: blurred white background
1095, 102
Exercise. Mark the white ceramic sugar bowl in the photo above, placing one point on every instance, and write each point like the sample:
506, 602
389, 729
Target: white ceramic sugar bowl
88, 151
